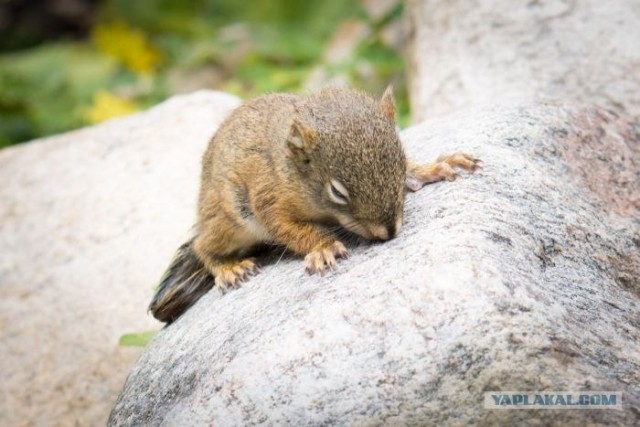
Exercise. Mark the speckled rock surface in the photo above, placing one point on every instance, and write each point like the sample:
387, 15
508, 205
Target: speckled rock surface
492, 51
88, 220
523, 276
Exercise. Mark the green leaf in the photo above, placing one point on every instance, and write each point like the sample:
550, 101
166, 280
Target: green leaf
136, 339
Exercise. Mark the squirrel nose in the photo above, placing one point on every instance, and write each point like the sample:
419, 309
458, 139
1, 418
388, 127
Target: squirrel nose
379, 232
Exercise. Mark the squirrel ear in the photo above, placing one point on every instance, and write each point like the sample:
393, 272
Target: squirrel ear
301, 135
388, 104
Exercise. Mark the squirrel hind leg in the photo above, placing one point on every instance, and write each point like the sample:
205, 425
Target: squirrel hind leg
232, 273
223, 247
418, 175
185, 282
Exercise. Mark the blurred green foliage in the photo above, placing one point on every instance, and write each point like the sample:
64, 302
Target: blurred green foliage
141, 52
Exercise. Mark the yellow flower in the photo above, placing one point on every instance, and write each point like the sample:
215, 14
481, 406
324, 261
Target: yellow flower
107, 106
127, 45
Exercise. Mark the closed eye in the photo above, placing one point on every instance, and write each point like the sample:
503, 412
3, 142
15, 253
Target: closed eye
337, 193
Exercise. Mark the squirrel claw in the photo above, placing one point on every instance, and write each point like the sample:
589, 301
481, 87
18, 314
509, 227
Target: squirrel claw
323, 260
221, 286
464, 161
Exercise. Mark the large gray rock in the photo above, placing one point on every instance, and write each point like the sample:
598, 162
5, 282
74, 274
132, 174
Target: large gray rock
490, 51
88, 222
519, 277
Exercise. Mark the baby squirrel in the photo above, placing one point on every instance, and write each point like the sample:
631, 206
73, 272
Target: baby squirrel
284, 169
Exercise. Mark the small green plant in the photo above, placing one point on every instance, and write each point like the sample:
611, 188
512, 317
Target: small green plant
136, 339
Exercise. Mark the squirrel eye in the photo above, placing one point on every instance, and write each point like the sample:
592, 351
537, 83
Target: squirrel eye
337, 193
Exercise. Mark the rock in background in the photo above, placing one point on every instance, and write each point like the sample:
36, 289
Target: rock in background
88, 222
495, 51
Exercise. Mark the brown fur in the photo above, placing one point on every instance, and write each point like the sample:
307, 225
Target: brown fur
268, 173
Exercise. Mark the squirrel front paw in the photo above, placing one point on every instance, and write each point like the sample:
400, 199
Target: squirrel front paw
322, 260
233, 274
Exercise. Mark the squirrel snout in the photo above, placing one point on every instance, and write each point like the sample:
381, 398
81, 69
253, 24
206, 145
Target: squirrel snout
383, 232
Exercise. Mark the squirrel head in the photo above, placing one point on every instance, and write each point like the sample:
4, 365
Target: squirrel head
345, 146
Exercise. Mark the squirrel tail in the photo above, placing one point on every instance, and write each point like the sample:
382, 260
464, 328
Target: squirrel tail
184, 282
